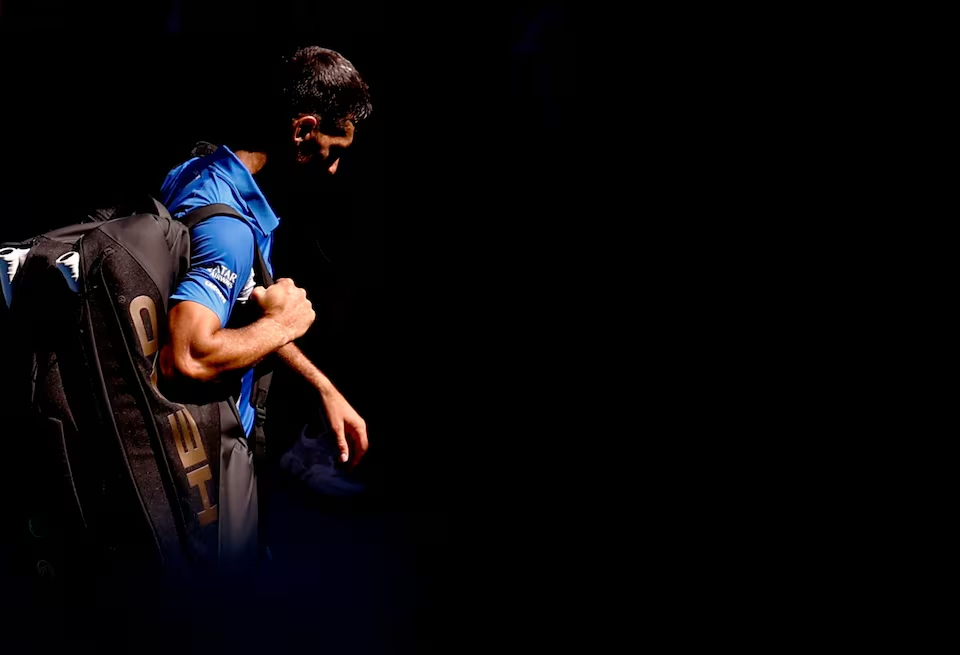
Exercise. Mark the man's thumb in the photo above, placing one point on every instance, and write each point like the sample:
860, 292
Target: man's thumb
258, 294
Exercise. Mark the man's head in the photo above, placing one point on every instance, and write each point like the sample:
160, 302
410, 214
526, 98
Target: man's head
309, 111
325, 98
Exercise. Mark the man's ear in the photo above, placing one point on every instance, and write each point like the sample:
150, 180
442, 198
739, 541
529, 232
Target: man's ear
303, 127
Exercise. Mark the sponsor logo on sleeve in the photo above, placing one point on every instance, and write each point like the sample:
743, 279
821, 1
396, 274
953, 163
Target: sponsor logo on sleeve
223, 275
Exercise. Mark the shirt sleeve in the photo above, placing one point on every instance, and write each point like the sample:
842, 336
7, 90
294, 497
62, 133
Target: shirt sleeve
221, 261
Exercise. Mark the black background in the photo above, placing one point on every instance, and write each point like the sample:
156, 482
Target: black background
99, 101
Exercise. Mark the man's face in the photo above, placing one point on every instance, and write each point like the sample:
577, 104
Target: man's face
320, 144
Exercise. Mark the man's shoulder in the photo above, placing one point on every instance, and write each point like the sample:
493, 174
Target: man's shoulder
224, 233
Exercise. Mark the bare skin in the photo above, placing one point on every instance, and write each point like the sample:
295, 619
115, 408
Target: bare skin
201, 350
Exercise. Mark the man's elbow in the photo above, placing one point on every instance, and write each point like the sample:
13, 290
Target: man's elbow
184, 365
196, 370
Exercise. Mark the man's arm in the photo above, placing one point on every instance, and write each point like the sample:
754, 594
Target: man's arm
200, 349
343, 418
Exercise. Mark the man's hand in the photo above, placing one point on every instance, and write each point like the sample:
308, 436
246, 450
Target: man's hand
287, 304
345, 421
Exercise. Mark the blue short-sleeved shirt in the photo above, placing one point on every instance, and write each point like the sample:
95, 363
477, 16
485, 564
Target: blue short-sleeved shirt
221, 261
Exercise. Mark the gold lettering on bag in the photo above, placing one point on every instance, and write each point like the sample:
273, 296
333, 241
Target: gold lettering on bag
186, 435
197, 479
142, 310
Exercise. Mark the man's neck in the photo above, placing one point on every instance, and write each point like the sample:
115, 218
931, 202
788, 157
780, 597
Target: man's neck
254, 161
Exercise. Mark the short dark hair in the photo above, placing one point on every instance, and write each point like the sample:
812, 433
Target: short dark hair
323, 83
312, 80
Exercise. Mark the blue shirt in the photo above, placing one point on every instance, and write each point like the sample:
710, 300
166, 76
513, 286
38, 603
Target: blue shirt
221, 260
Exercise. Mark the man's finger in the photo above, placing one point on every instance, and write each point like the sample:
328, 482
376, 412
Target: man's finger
359, 434
361, 431
342, 442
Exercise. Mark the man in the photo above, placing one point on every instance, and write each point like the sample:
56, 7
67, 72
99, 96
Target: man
297, 129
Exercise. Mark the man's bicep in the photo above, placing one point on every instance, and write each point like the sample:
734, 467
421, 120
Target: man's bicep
220, 265
192, 324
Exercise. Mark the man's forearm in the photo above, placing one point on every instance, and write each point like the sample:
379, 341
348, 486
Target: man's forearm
226, 350
295, 359
240, 348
